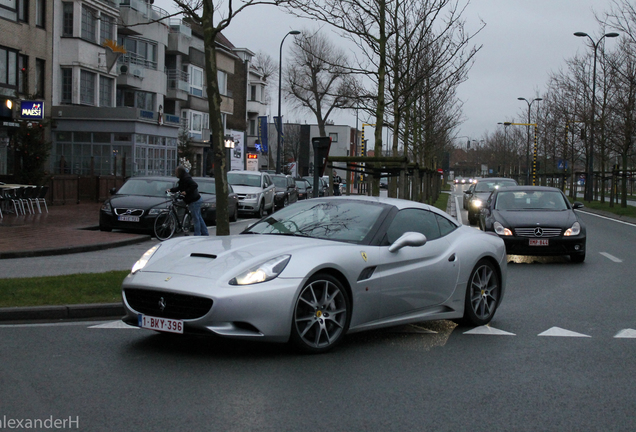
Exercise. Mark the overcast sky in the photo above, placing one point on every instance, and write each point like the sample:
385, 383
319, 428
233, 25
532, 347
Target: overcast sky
523, 42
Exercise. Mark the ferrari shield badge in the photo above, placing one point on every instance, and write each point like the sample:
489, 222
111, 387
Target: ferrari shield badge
364, 256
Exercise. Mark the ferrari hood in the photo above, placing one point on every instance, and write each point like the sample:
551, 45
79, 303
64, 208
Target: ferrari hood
224, 257
527, 218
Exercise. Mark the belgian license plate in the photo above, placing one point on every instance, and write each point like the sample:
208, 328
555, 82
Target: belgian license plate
539, 242
160, 324
125, 218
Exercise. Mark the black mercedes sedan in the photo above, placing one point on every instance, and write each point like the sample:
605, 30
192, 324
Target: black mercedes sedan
535, 220
136, 204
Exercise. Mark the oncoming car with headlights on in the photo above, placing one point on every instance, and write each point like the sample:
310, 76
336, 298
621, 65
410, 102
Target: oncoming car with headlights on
319, 269
477, 196
535, 220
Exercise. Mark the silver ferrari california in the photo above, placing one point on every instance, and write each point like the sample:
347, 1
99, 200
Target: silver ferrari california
319, 269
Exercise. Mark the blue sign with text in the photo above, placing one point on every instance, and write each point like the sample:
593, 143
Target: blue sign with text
33, 110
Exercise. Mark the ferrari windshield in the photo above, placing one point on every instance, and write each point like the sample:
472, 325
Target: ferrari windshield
531, 200
147, 187
340, 220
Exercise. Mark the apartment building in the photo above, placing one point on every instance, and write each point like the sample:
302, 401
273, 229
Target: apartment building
26, 46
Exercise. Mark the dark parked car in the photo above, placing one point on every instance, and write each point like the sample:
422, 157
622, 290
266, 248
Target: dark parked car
535, 220
286, 190
136, 204
305, 189
207, 189
322, 185
478, 196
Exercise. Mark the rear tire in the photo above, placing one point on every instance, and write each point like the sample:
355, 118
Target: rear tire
482, 294
165, 226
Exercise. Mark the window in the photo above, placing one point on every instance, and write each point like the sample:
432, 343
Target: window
334, 137
8, 68
106, 28
66, 97
196, 122
445, 226
67, 19
89, 24
40, 13
140, 51
87, 88
222, 78
40, 73
252, 130
9, 9
105, 91
23, 74
196, 80
136, 99
23, 11
413, 220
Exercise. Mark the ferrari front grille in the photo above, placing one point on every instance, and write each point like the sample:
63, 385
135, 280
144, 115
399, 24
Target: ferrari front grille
167, 304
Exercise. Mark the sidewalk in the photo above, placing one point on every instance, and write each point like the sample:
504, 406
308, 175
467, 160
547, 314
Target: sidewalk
65, 229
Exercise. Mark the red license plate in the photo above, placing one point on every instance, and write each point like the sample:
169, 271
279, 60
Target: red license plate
539, 242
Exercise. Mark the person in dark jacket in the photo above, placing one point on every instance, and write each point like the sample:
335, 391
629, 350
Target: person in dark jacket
190, 191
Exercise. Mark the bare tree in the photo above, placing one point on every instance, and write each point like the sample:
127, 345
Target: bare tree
213, 17
318, 77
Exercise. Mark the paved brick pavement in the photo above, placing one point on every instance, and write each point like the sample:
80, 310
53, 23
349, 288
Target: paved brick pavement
66, 228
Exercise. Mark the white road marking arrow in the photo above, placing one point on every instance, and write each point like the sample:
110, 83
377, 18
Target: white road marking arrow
557, 331
487, 330
626, 333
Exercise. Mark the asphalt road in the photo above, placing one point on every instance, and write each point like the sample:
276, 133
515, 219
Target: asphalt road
558, 356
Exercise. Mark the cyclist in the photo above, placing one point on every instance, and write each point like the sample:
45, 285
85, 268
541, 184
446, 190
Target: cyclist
190, 191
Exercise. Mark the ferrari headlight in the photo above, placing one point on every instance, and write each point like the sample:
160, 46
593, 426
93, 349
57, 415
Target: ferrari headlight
141, 263
262, 273
574, 230
476, 203
501, 230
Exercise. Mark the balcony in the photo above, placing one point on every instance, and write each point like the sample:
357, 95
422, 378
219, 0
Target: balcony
178, 86
74, 112
179, 38
135, 12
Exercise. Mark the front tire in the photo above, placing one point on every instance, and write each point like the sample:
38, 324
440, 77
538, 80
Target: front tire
234, 216
482, 294
165, 226
260, 213
322, 314
577, 258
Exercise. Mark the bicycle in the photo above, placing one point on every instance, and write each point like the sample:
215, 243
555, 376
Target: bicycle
175, 218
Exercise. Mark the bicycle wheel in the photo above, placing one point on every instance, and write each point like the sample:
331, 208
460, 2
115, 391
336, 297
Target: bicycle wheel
165, 226
187, 224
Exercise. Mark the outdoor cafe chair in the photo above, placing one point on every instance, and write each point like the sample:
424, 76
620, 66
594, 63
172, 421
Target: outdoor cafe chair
39, 197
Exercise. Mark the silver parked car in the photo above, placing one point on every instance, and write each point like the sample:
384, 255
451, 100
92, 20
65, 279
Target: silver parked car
255, 190
319, 269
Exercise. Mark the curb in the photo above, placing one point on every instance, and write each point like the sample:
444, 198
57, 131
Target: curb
74, 249
81, 311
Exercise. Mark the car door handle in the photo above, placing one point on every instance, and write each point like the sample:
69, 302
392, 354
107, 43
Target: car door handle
452, 258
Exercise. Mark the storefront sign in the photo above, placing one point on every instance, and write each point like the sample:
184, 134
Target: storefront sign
32, 110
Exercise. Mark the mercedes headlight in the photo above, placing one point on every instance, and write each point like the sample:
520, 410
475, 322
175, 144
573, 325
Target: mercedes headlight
262, 273
574, 230
141, 263
501, 230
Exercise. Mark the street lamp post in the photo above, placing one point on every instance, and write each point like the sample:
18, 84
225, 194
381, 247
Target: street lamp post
528, 133
280, 85
589, 176
229, 145
505, 125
